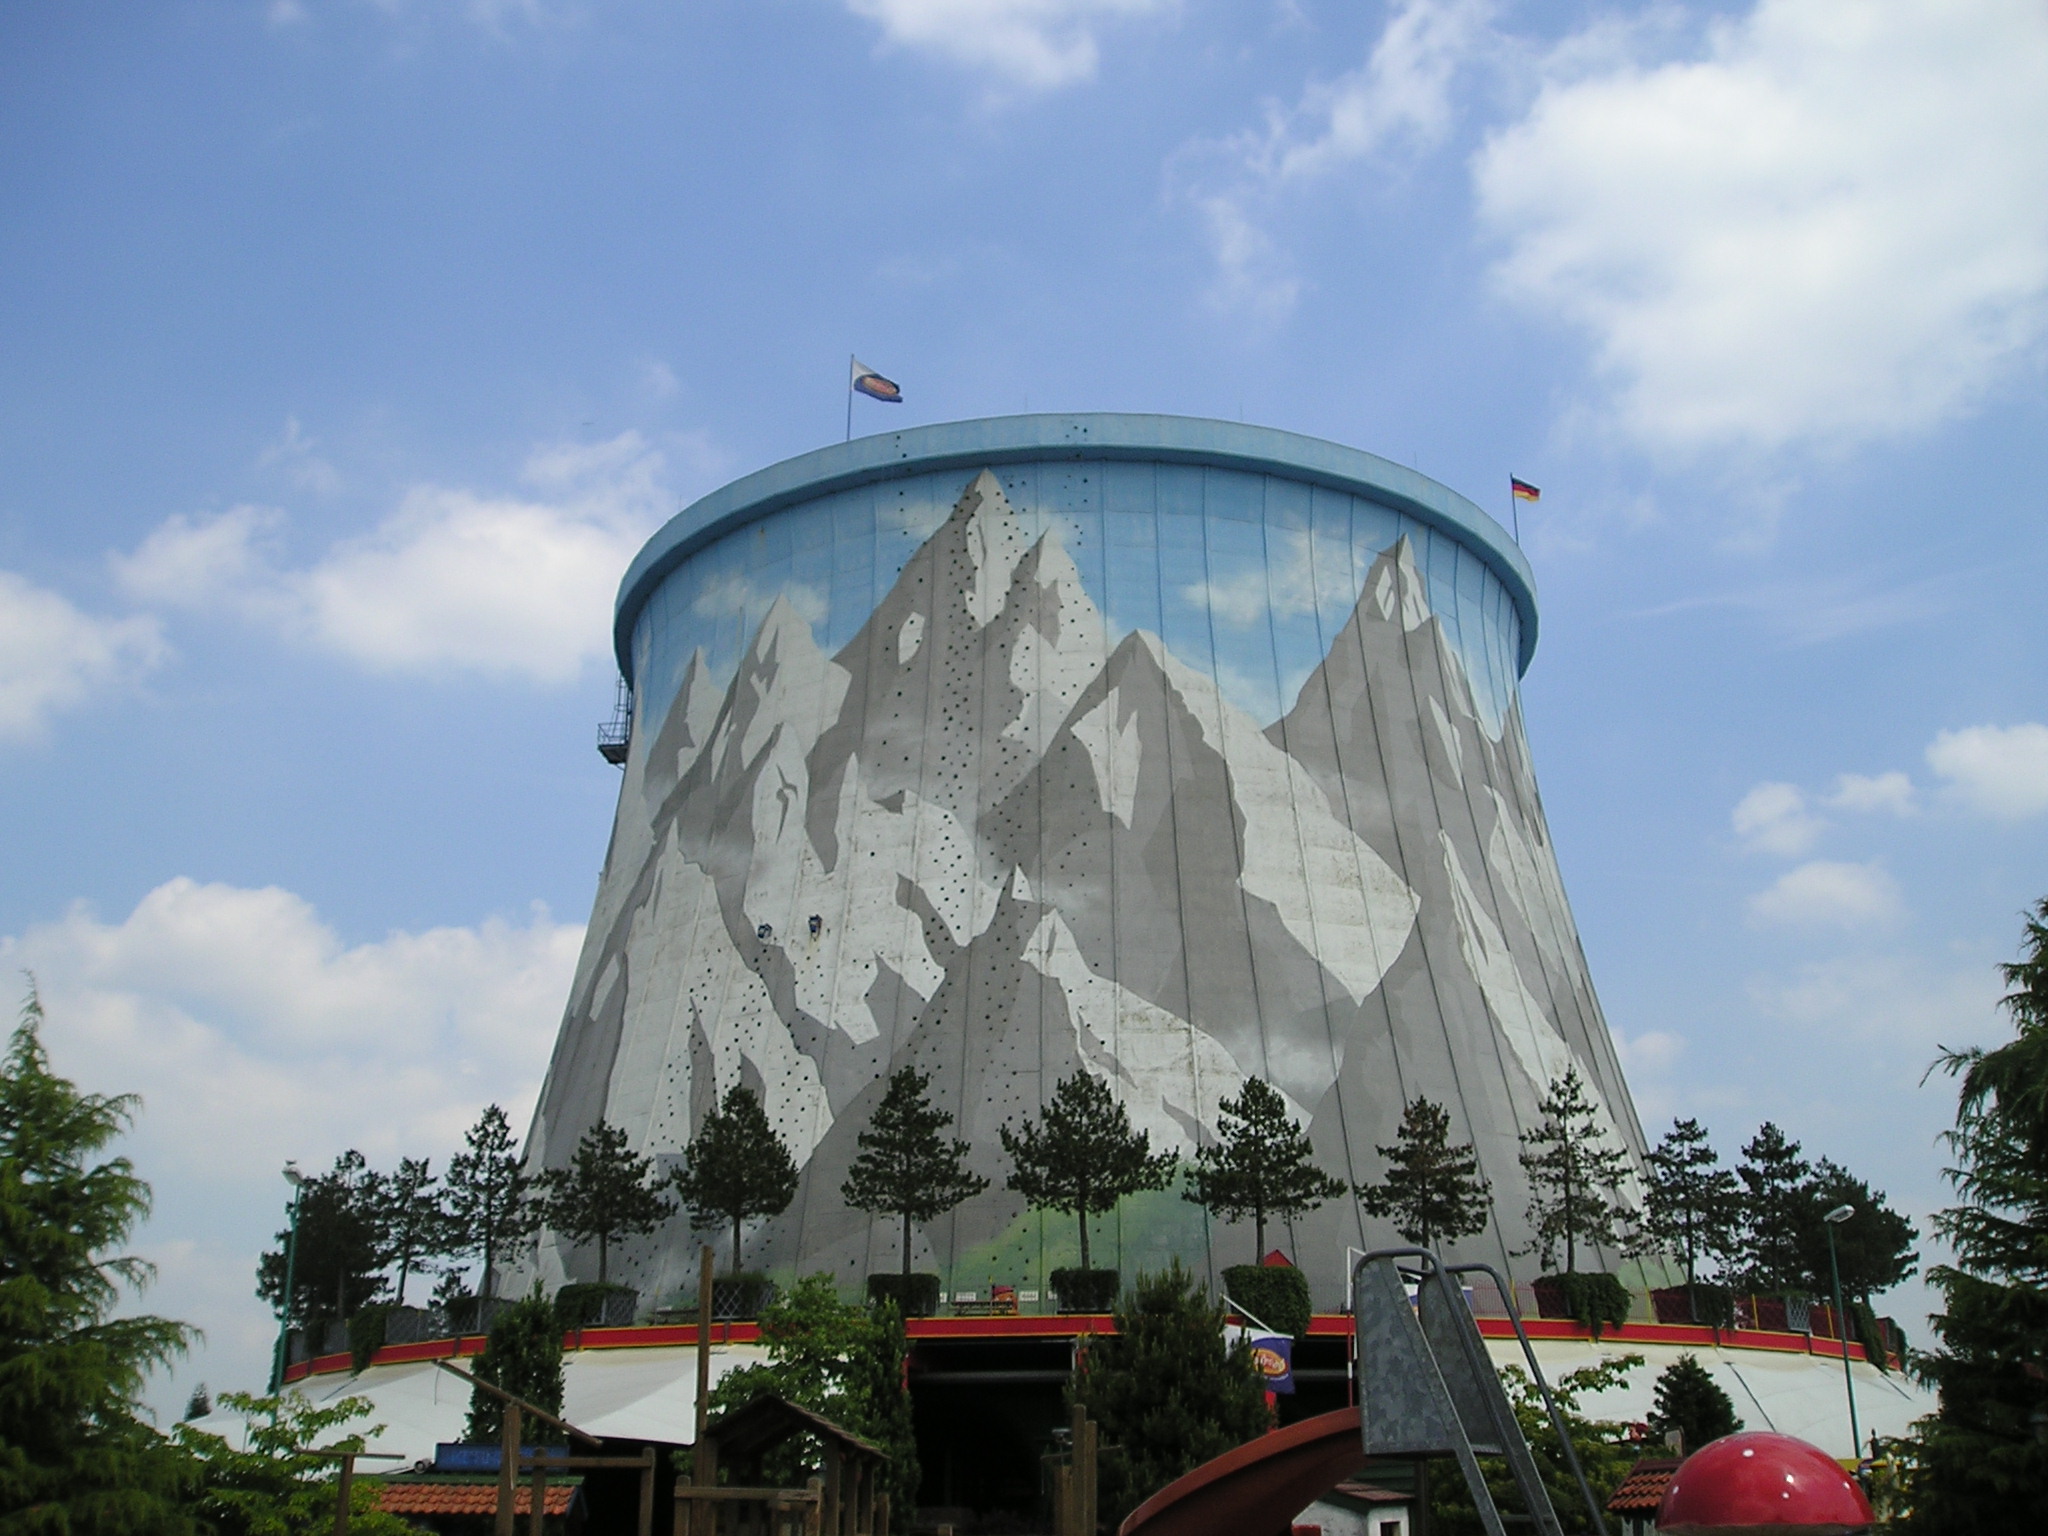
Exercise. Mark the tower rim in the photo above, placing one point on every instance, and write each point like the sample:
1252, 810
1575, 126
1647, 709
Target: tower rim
993, 441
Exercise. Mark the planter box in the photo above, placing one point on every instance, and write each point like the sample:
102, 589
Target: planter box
1086, 1290
1708, 1305
596, 1306
1595, 1301
410, 1325
916, 1295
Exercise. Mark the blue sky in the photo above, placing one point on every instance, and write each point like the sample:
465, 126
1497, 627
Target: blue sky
352, 348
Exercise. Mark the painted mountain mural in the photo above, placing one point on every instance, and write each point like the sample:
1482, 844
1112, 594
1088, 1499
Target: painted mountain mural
994, 840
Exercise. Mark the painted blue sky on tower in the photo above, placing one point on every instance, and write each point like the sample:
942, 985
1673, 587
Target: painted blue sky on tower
354, 349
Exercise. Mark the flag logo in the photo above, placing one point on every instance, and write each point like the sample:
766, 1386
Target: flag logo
1522, 490
873, 385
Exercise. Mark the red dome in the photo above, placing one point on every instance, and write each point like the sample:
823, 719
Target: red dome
1760, 1483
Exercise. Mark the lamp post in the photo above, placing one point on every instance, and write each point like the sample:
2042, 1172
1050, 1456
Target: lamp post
297, 1180
1832, 1220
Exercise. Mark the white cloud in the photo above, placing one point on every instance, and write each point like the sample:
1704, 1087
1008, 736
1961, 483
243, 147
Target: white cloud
1033, 44
1773, 818
1401, 94
54, 657
731, 596
293, 453
1999, 771
1896, 1001
255, 1034
1868, 793
1829, 227
1306, 571
452, 580
1826, 894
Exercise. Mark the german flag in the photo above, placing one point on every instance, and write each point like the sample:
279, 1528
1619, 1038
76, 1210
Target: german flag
1522, 490
873, 385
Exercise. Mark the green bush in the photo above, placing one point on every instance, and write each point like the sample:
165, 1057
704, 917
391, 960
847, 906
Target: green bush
1277, 1295
1595, 1301
915, 1295
523, 1355
1864, 1329
582, 1304
1086, 1290
366, 1334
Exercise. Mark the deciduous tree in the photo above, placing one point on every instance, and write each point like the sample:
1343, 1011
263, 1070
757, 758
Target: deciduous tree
1432, 1192
907, 1167
1083, 1157
1260, 1166
736, 1168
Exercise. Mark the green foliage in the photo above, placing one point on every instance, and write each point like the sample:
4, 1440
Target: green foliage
914, 1295
1692, 1205
906, 1167
1432, 1192
1977, 1465
523, 1355
263, 1488
736, 1168
1573, 1170
1277, 1295
582, 1305
842, 1361
1596, 1301
339, 1248
1689, 1400
1262, 1165
1603, 1447
412, 1219
489, 1209
1084, 1156
603, 1194
1167, 1392
1874, 1246
1085, 1290
366, 1333
1776, 1210
74, 1457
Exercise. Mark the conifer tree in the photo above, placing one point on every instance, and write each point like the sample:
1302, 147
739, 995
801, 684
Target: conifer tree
490, 1209
1874, 1247
339, 1249
1775, 1210
736, 1167
603, 1194
1691, 1203
1979, 1464
74, 1454
412, 1218
1572, 1172
906, 1167
1167, 1390
522, 1355
1432, 1192
1689, 1400
1084, 1157
1261, 1165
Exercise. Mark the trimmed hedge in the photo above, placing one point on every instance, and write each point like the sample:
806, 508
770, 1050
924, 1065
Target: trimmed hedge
1277, 1295
1595, 1301
585, 1304
366, 1334
1086, 1290
915, 1295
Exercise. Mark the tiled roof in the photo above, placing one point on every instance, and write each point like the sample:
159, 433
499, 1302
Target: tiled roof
439, 1497
1642, 1490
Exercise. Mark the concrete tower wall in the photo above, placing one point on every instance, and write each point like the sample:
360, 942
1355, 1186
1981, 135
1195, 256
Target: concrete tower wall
1177, 751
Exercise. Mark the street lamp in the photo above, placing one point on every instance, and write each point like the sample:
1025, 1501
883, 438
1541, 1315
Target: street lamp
1832, 1220
297, 1180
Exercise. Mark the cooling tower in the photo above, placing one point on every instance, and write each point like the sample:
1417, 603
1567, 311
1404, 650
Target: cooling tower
1175, 751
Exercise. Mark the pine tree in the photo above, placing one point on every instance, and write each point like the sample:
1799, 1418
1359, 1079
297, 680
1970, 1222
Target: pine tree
603, 1194
1261, 1165
74, 1453
489, 1206
200, 1403
1874, 1247
1775, 1211
906, 1167
1979, 1463
1085, 1157
1572, 1176
1167, 1391
523, 1355
1432, 1192
412, 1218
1691, 1203
339, 1247
1689, 1400
736, 1168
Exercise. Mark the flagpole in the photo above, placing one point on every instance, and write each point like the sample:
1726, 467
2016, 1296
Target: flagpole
1514, 509
849, 397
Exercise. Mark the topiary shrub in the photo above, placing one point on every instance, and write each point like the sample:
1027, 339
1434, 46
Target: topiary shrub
1276, 1294
366, 1334
1594, 1301
1086, 1290
915, 1295
1689, 1400
585, 1305
524, 1356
